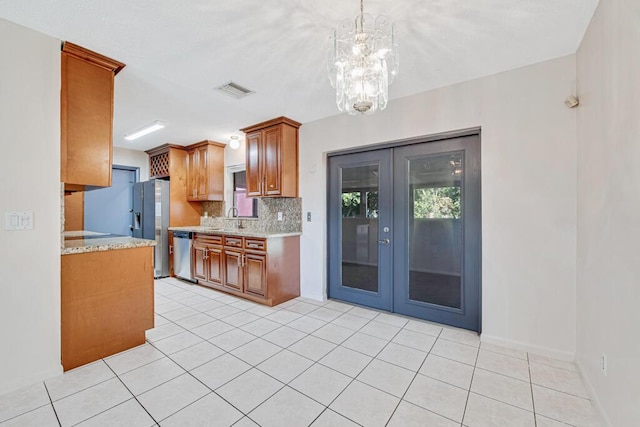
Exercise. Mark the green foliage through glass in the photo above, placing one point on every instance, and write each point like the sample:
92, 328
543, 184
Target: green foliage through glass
436, 202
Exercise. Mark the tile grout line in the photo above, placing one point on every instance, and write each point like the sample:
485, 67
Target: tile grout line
473, 374
402, 399
533, 401
363, 369
133, 395
52, 406
201, 382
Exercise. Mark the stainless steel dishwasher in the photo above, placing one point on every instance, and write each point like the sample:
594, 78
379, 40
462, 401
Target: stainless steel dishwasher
182, 250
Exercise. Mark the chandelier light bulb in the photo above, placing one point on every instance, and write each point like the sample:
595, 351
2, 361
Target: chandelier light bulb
362, 62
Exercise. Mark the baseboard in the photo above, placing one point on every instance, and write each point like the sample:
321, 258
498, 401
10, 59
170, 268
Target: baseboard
542, 351
597, 404
315, 297
34, 378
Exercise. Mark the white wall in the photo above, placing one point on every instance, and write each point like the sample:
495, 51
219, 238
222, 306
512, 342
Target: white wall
29, 181
528, 193
608, 278
134, 158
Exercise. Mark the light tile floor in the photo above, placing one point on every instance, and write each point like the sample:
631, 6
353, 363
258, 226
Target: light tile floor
216, 360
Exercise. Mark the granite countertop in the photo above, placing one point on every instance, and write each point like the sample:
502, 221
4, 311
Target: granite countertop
235, 232
78, 242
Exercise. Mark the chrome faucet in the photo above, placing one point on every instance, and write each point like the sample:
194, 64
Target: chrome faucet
232, 212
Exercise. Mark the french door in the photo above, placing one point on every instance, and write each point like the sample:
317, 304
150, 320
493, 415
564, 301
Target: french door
404, 230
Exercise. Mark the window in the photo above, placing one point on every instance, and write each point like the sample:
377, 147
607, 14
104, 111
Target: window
436, 202
352, 204
247, 206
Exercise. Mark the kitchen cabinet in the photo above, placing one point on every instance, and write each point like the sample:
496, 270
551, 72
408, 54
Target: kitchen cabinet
86, 118
205, 171
272, 158
208, 260
261, 270
256, 273
169, 161
234, 269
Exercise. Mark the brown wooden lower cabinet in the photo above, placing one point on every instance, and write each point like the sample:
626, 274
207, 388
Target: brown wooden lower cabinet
256, 274
233, 270
262, 270
106, 303
215, 263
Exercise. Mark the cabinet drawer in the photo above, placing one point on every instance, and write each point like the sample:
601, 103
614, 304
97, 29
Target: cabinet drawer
211, 239
255, 244
234, 242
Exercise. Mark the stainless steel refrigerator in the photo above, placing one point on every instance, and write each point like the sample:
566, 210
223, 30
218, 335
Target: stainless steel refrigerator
151, 220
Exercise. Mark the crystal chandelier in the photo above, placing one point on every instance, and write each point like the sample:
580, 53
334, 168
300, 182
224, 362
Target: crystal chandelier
363, 61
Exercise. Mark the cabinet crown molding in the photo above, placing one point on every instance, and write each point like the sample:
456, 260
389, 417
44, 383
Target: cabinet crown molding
268, 123
163, 148
205, 142
92, 57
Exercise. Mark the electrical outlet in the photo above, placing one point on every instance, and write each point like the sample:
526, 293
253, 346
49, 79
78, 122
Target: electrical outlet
279, 216
603, 364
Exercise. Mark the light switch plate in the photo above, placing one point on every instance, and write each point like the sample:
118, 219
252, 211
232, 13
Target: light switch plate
19, 220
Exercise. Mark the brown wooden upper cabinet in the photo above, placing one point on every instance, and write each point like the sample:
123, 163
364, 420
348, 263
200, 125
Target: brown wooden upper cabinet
86, 118
205, 171
169, 161
272, 158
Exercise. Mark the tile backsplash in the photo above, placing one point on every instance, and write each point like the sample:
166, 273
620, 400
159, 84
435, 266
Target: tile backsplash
213, 208
267, 220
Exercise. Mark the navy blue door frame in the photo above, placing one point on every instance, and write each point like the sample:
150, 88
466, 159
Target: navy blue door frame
395, 202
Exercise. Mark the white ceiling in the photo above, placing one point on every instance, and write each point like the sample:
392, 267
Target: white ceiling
177, 52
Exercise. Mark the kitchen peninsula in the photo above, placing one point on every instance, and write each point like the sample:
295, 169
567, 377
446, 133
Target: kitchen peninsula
107, 295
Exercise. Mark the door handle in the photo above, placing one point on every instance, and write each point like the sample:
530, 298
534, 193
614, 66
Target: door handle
384, 241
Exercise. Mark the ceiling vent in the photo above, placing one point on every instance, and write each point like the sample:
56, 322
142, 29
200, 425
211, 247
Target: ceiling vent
234, 90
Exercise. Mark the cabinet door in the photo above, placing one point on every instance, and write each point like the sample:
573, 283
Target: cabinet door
192, 174
87, 122
233, 271
202, 189
272, 161
254, 173
200, 262
256, 274
214, 265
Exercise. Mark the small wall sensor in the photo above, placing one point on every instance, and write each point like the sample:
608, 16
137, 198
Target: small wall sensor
571, 101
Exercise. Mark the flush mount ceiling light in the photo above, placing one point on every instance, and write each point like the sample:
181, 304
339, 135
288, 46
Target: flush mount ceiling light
145, 130
363, 61
234, 142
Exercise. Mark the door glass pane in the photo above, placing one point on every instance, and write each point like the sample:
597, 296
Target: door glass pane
435, 229
360, 227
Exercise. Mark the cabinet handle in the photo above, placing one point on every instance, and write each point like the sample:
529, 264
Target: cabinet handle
204, 254
170, 249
